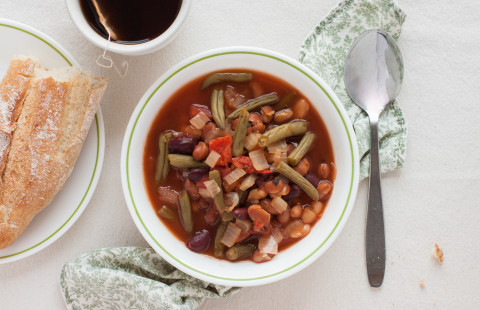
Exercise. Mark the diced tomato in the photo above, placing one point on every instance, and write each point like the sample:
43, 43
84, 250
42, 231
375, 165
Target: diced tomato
266, 171
260, 217
197, 108
201, 182
245, 163
222, 146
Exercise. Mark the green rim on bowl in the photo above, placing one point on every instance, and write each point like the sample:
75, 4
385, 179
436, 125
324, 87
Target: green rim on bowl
352, 180
96, 157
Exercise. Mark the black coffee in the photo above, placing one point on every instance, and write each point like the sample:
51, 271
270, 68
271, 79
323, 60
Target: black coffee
130, 21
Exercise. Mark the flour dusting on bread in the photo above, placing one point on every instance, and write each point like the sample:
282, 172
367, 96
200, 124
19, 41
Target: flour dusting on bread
57, 110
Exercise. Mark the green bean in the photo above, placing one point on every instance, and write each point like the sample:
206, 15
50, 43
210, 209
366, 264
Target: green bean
185, 211
240, 133
184, 161
240, 251
255, 103
218, 247
217, 103
284, 102
302, 149
242, 197
296, 178
218, 199
283, 131
166, 213
227, 216
163, 166
216, 78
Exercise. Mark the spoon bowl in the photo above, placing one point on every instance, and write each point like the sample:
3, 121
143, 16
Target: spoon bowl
373, 78
374, 70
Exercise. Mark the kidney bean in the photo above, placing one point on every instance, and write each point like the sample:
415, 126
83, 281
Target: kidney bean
181, 145
196, 174
284, 218
294, 193
201, 151
241, 214
266, 204
296, 211
303, 166
300, 232
283, 116
267, 113
233, 96
260, 217
211, 131
197, 108
204, 204
317, 207
199, 241
324, 188
256, 194
274, 186
308, 215
212, 216
324, 171
312, 179
301, 108
193, 132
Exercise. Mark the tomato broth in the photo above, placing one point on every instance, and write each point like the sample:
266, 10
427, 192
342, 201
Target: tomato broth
174, 116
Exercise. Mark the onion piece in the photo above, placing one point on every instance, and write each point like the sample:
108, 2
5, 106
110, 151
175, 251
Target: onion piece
212, 158
231, 235
251, 141
234, 176
231, 201
248, 182
277, 234
278, 146
244, 225
280, 156
199, 120
204, 193
259, 161
279, 204
292, 226
212, 188
267, 244
168, 195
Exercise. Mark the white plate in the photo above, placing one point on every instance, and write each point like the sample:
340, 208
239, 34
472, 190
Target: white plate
69, 204
302, 253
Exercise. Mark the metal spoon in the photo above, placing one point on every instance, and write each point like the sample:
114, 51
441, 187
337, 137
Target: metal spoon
373, 77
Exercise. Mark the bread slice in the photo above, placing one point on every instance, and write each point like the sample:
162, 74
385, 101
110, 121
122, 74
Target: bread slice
56, 115
13, 89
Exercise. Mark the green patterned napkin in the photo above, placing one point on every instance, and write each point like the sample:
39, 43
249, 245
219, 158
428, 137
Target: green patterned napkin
132, 278
325, 51
135, 278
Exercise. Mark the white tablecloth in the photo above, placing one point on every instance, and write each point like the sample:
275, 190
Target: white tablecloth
432, 200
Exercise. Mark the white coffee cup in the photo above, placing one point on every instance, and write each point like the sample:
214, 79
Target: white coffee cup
75, 11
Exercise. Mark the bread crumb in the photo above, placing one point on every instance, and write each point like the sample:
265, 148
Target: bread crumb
422, 284
438, 253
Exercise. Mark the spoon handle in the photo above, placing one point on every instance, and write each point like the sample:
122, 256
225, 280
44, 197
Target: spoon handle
375, 232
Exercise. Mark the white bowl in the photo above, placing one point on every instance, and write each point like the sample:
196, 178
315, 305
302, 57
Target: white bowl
296, 257
75, 11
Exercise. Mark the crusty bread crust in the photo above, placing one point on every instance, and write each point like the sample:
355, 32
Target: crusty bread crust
56, 115
13, 89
